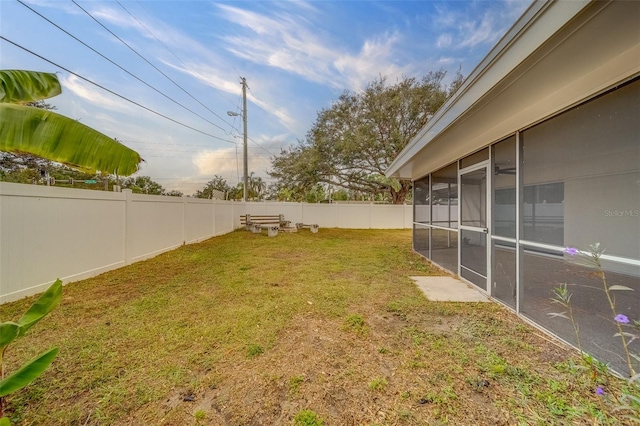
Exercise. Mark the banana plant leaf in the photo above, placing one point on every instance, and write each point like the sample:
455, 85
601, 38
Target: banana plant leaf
58, 138
27, 373
20, 86
8, 333
45, 304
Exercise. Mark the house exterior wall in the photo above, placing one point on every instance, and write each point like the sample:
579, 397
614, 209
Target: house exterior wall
557, 103
571, 180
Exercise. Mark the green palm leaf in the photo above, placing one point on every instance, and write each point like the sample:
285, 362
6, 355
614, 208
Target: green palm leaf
18, 86
27, 373
45, 304
58, 138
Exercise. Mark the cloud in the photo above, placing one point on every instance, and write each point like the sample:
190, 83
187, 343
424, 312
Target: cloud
227, 162
200, 64
116, 17
444, 41
217, 162
95, 96
285, 42
67, 7
463, 28
372, 61
484, 31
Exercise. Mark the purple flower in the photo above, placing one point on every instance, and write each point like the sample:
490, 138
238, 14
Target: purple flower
571, 251
622, 319
599, 391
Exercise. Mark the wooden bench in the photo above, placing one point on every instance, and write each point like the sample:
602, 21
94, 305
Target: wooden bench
272, 223
313, 228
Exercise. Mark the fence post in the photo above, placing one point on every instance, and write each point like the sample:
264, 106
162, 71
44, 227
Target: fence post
127, 225
370, 215
213, 216
184, 219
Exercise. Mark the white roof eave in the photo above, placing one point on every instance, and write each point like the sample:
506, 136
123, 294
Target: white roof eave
537, 24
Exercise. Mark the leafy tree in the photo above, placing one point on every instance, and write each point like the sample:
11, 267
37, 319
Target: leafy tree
236, 192
42, 105
340, 195
29, 169
295, 171
257, 187
316, 194
285, 194
353, 142
21, 168
174, 193
143, 185
46, 134
218, 183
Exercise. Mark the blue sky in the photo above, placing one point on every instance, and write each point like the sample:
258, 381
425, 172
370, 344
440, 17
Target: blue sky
297, 57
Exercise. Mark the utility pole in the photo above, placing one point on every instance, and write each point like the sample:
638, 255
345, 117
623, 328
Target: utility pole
243, 81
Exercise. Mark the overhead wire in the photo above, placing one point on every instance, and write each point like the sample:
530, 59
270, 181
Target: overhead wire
154, 145
146, 60
122, 41
120, 67
256, 143
237, 153
186, 156
112, 92
261, 147
139, 79
161, 42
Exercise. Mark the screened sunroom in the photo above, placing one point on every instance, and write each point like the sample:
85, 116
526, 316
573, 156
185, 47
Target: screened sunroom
539, 150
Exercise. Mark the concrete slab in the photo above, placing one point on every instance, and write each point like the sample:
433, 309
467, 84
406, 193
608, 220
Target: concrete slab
448, 289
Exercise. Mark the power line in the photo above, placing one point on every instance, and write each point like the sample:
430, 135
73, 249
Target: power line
180, 145
261, 147
166, 144
188, 156
117, 65
196, 152
147, 61
256, 143
160, 41
112, 92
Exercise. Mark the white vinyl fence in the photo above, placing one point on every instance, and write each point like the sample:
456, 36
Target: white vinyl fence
72, 234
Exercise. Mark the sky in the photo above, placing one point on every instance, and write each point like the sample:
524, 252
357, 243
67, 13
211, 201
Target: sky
184, 59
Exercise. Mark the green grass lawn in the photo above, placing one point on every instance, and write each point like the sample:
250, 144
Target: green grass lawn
304, 329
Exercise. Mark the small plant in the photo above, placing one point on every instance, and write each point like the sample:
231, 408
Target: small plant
307, 418
253, 350
9, 331
294, 383
200, 415
629, 401
378, 384
405, 415
355, 322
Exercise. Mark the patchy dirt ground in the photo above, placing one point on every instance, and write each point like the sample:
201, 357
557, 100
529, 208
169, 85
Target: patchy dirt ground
332, 369
303, 329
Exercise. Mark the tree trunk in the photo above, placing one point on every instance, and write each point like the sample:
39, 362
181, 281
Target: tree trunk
398, 197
